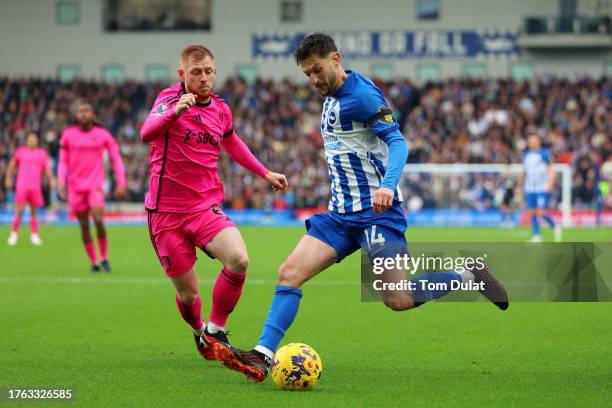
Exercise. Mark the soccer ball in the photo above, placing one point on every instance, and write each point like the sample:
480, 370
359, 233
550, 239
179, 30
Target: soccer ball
296, 366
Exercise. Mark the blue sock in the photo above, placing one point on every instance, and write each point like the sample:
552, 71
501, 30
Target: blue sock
420, 295
535, 225
549, 220
282, 312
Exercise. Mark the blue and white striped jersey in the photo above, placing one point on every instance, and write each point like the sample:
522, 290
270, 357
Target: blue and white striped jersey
354, 122
536, 170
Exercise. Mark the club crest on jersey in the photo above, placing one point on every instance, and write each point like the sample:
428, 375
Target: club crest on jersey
161, 108
332, 118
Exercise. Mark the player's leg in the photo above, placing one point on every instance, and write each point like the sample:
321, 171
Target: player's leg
383, 237
177, 257
327, 242
558, 233
36, 202
188, 299
95, 201
229, 247
34, 237
14, 235
78, 205
310, 257
97, 214
87, 240
532, 211
189, 304
434, 285
427, 286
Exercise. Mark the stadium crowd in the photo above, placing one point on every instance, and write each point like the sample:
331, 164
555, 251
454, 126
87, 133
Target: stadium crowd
454, 121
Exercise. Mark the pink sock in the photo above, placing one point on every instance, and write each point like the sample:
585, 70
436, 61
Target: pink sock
16, 224
192, 314
103, 245
91, 252
34, 225
225, 296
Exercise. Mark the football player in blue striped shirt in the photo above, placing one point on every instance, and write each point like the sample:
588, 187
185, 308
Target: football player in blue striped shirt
539, 179
365, 154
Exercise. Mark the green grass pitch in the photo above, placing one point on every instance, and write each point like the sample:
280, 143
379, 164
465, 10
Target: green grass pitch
118, 340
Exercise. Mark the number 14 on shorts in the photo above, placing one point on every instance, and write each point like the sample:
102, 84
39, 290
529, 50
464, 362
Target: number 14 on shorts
372, 238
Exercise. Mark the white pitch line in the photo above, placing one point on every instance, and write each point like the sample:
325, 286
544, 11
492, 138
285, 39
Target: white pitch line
151, 281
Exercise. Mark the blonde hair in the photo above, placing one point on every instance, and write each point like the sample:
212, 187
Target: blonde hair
196, 51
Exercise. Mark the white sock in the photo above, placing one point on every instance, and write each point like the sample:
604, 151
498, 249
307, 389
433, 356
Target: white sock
466, 276
200, 331
265, 351
213, 328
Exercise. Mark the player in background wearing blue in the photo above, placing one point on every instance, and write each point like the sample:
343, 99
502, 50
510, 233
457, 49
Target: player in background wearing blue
539, 180
365, 154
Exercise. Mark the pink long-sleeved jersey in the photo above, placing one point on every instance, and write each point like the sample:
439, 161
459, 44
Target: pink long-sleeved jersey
185, 150
81, 159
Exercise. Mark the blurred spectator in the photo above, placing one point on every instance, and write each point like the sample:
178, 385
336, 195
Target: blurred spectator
455, 121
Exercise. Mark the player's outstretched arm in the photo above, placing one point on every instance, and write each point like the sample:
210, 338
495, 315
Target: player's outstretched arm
240, 152
550, 183
118, 168
278, 181
10, 171
50, 177
62, 167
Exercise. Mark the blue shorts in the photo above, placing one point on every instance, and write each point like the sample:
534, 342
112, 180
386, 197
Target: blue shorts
537, 200
365, 229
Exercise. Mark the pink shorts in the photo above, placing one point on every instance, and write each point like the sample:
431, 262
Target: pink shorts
176, 235
32, 197
81, 201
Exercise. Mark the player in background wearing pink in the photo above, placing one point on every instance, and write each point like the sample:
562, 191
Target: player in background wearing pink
187, 129
31, 162
81, 173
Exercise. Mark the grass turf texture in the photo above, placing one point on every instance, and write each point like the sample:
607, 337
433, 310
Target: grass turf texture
118, 340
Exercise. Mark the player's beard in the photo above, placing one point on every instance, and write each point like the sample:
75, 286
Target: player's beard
203, 94
86, 125
329, 85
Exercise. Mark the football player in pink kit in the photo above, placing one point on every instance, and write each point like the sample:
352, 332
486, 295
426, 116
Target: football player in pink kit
187, 129
81, 170
30, 162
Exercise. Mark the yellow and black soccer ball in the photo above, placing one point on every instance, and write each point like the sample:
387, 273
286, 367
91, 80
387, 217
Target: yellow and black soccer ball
296, 366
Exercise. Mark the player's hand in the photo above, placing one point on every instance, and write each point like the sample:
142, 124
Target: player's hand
279, 181
382, 200
120, 193
61, 190
549, 188
52, 184
185, 102
8, 183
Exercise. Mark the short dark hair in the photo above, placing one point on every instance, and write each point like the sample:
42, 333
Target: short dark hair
318, 43
78, 102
